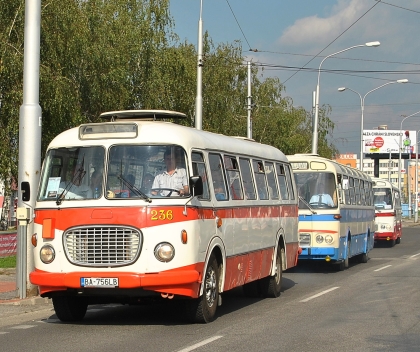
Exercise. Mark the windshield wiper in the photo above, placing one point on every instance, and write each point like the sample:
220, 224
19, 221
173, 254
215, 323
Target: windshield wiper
78, 177
134, 189
307, 204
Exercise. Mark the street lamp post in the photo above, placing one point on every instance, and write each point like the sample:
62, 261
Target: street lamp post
399, 147
362, 106
416, 206
315, 123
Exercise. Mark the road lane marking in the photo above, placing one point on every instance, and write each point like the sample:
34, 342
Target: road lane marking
384, 267
380, 300
22, 327
319, 294
202, 343
415, 255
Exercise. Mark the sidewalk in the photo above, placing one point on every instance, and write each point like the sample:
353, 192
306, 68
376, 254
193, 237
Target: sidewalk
10, 296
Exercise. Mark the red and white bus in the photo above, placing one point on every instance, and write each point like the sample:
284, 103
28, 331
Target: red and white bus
388, 211
121, 242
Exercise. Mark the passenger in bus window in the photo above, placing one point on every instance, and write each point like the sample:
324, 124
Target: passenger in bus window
322, 198
96, 183
128, 192
75, 187
218, 184
147, 183
173, 181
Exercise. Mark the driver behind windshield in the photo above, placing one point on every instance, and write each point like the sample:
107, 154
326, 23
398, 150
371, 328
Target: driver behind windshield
173, 181
323, 197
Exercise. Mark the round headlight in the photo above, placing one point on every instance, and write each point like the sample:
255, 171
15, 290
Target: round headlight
329, 239
319, 239
164, 252
47, 254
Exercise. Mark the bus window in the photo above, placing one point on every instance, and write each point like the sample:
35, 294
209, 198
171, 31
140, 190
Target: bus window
271, 179
234, 178
281, 177
216, 170
247, 179
260, 179
199, 168
352, 197
289, 181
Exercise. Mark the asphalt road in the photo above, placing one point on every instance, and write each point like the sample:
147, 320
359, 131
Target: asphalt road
368, 307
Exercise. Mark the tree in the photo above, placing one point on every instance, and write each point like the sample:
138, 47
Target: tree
104, 55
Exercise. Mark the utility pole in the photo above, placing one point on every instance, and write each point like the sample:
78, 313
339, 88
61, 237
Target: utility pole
249, 119
199, 97
30, 121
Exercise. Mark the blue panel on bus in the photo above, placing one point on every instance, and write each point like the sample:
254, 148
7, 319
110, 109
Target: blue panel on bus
318, 253
320, 217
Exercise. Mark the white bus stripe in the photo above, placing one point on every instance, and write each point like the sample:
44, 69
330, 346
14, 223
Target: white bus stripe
319, 294
202, 343
384, 267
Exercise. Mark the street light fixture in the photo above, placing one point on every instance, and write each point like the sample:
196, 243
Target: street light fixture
362, 105
315, 124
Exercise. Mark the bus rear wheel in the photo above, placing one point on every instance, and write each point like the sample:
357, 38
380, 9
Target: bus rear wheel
270, 286
203, 309
69, 308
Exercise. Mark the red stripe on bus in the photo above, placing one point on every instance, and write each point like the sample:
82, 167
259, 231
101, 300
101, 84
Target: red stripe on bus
384, 214
317, 230
155, 216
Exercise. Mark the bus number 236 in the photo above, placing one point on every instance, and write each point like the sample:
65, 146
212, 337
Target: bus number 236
162, 214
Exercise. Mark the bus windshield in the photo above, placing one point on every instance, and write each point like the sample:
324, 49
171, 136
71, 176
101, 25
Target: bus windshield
382, 198
317, 189
131, 171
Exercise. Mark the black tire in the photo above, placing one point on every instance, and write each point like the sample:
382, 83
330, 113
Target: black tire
270, 286
363, 258
347, 260
398, 240
203, 309
69, 308
392, 243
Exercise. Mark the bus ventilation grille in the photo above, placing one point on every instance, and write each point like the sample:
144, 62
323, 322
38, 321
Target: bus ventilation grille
102, 246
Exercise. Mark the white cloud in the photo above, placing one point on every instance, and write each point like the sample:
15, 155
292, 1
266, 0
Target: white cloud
313, 29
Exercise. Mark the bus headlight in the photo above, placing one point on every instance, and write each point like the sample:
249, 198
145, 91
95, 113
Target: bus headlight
385, 227
47, 254
319, 239
164, 252
329, 239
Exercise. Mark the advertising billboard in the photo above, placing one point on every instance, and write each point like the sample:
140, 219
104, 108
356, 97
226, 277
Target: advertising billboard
388, 141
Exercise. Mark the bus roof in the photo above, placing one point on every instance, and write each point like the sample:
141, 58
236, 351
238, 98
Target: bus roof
151, 115
382, 183
162, 132
304, 160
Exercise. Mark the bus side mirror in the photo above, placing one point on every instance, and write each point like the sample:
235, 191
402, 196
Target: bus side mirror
196, 185
25, 189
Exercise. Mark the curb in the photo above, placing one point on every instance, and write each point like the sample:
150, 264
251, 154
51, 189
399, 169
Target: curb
32, 301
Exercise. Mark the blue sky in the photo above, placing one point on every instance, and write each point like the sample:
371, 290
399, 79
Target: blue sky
290, 33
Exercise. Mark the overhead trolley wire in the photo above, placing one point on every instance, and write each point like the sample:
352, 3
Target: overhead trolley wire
378, 1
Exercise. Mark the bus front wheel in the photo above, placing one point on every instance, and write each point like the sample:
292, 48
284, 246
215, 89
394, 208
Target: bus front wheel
203, 309
69, 308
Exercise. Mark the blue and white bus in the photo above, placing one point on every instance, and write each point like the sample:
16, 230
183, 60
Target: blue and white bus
336, 210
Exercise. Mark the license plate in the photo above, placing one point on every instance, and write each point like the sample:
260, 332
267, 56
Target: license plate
99, 282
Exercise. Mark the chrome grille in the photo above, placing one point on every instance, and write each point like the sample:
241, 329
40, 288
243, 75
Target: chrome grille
102, 246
